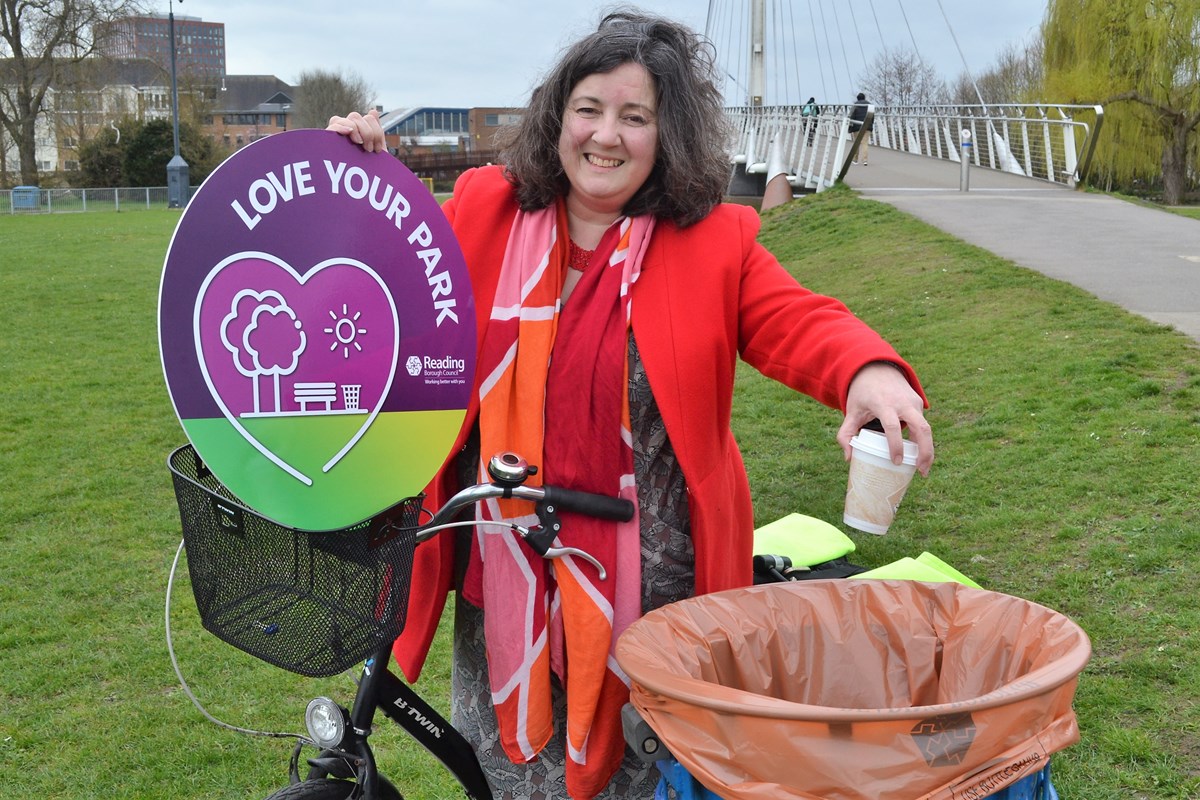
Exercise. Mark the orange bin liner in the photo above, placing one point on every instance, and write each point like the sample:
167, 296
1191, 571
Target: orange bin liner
857, 690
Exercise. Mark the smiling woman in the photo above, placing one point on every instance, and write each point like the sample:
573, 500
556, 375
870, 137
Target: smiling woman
608, 145
611, 321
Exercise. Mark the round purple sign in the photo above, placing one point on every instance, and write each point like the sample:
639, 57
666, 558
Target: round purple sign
317, 329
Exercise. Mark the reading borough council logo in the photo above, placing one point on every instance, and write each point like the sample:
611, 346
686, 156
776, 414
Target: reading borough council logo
413, 365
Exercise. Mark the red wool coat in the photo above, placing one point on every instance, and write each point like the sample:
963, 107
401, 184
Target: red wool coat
707, 294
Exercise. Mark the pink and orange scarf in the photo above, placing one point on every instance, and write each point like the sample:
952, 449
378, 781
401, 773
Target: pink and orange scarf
555, 390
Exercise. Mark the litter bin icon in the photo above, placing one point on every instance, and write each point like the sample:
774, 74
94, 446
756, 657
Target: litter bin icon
857, 690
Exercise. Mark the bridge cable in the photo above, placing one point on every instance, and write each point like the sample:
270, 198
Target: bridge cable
966, 69
829, 49
874, 13
817, 50
858, 35
795, 51
744, 54
842, 40
904, 14
723, 38
778, 57
724, 42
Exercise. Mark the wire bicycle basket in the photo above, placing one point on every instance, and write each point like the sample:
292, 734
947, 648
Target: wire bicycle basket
312, 602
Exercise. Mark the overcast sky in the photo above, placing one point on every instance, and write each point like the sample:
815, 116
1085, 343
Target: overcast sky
466, 53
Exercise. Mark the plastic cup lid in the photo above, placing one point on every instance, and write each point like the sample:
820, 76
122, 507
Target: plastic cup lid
875, 443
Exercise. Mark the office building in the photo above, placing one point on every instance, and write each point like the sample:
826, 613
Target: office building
199, 45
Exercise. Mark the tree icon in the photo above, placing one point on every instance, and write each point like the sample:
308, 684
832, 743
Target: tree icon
265, 337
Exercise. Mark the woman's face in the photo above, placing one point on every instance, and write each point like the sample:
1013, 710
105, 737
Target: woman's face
609, 140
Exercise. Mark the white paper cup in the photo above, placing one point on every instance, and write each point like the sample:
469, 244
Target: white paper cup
876, 485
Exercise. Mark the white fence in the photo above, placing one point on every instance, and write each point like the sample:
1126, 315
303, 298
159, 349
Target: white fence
1050, 142
814, 152
34, 200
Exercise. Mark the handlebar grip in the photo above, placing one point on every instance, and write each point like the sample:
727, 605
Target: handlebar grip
593, 505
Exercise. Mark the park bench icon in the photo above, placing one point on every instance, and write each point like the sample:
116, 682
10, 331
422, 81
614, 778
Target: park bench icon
326, 393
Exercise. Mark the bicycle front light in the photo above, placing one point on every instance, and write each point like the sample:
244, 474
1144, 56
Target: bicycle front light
326, 722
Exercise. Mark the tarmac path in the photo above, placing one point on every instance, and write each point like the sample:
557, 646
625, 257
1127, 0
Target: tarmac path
1143, 259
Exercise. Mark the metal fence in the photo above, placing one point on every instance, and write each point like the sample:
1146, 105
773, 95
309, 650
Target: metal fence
34, 200
1050, 142
811, 151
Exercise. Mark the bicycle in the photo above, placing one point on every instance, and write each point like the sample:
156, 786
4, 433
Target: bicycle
300, 606
311, 619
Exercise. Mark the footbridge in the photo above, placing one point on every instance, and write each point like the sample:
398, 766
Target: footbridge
1047, 143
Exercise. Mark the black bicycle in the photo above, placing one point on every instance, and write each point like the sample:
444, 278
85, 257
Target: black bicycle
320, 603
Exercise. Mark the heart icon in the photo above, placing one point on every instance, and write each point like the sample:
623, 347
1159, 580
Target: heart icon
299, 364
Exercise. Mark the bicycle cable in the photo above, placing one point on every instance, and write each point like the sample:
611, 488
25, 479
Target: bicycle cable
188, 690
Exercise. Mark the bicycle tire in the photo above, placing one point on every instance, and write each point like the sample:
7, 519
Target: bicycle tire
332, 789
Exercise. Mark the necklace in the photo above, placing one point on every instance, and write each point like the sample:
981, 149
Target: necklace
577, 258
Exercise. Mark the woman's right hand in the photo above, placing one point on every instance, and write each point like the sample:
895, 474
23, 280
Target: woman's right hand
362, 129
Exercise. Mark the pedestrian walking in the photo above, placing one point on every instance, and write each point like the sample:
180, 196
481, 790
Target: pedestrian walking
858, 118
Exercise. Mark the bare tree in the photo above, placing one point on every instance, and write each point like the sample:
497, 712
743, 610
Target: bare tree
901, 78
38, 37
323, 93
1014, 77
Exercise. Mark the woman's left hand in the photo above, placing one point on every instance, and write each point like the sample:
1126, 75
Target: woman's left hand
880, 391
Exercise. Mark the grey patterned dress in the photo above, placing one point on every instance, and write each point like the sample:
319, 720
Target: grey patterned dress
668, 574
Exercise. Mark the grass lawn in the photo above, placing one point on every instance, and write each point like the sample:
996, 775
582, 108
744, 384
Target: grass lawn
1067, 437
1186, 211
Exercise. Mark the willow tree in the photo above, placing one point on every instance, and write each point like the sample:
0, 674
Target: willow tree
1141, 60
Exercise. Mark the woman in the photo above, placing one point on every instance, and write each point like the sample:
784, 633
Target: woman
603, 243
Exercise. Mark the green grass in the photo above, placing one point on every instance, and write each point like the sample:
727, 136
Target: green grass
1185, 211
1067, 436
1190, 211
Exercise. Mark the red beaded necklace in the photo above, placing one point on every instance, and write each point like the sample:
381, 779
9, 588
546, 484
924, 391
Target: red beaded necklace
579, 259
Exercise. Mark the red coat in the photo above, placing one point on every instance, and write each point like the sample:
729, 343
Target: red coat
707, 294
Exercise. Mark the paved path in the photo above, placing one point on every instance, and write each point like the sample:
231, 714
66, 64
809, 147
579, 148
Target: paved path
1143, 259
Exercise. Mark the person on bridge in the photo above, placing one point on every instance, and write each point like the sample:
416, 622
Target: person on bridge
858, 116
810, 112
614, 292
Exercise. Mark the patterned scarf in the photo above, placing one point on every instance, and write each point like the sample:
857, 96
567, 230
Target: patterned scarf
555, 391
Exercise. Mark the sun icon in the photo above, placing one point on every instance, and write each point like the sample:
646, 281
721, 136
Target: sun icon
345, 331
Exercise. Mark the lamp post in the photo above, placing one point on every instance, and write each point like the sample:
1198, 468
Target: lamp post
177, 168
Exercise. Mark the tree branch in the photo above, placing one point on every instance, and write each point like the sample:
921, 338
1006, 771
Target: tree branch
1135, 96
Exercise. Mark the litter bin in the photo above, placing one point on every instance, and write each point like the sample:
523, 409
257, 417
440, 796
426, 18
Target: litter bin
857, 690
26, 198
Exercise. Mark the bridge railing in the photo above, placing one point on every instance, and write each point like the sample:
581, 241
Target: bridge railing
768, 140
1051, 142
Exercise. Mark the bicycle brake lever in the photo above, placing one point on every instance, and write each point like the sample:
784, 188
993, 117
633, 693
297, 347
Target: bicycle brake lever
541, 539
558, 552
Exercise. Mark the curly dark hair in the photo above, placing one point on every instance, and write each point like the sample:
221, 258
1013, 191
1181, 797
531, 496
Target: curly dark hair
692, 169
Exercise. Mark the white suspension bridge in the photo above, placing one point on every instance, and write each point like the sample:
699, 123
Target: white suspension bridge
1048, 142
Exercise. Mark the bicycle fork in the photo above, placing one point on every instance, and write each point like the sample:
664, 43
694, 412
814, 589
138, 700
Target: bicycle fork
351, 757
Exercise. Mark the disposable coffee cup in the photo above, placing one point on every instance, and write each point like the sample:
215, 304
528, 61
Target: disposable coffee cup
876, 485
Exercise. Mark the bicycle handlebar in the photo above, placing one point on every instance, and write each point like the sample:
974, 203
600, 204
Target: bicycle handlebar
593, 505
508, 482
